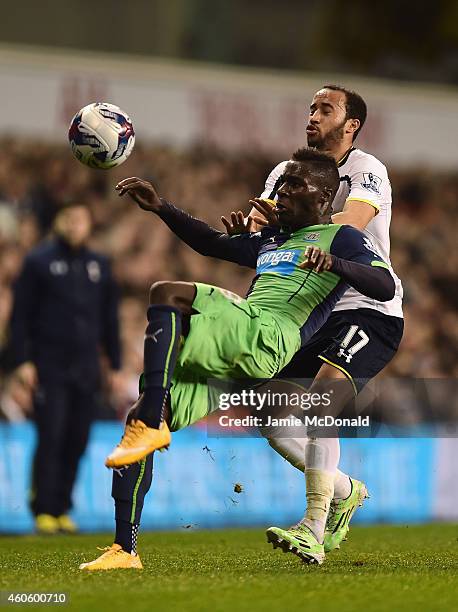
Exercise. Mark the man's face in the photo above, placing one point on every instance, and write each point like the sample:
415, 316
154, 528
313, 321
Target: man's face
74, 225
299, 198
327, 119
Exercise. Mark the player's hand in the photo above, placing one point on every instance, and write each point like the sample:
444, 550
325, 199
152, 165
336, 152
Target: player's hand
316, 259
238, 224
27, 375
266, 208
140, 191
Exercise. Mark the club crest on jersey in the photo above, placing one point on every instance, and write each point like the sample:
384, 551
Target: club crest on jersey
371, 182
279, 262
312, 237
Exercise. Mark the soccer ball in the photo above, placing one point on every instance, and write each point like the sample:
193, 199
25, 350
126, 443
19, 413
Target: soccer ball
101, 135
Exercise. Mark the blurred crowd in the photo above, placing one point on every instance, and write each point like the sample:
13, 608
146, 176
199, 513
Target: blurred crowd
35, 178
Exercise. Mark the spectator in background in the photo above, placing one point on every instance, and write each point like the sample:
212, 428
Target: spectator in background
65, 309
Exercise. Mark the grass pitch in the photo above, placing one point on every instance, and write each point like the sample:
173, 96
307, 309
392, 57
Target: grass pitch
379, 568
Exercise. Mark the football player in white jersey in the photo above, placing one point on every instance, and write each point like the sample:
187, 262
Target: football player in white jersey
359, 338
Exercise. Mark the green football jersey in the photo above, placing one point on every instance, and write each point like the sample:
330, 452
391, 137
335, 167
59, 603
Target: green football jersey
304, 296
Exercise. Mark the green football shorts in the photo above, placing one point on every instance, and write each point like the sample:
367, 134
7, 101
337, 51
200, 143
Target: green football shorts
229, 338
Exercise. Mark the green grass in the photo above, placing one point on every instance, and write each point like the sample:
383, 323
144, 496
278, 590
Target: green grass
379, 568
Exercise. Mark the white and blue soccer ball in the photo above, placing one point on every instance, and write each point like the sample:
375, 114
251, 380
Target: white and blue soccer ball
101, 135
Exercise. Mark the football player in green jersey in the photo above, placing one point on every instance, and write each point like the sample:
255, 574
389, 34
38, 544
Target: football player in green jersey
302, 268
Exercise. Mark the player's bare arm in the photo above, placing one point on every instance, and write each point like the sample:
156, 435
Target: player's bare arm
356, 213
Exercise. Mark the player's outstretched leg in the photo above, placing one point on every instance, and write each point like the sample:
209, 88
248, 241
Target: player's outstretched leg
130, 485
148, 431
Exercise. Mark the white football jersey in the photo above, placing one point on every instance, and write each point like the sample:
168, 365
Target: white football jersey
362, 177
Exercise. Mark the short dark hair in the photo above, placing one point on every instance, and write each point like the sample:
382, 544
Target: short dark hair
73, 202
326, 166
355, 106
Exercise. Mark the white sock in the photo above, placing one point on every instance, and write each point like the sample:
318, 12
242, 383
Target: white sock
294, 451
291, 449
319, 486
321, 460
322, 454
342, 485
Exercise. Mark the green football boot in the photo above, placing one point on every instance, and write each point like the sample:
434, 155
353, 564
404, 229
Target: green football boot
298, 540
340, 514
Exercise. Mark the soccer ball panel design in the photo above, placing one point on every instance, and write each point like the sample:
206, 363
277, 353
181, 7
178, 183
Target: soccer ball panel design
101, 135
